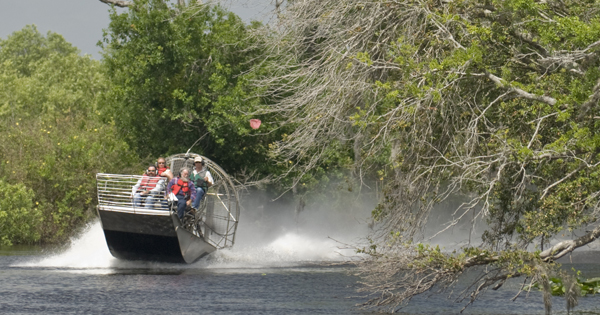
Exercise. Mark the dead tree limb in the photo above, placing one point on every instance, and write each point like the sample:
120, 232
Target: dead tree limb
524, 94
565, 247
118, 3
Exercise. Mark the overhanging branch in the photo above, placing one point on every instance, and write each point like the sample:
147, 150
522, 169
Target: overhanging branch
555, 252
565, 247
118, 3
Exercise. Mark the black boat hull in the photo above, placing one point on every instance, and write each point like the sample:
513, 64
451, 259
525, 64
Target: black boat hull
151, 237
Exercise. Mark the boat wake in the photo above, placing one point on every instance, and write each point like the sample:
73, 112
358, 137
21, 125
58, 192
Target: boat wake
89, 253
288, 250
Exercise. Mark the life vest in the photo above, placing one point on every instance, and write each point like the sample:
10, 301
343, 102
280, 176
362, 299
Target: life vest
161, 170
181, 185
148, 183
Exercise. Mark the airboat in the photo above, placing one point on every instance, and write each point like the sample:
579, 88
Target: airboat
153, 232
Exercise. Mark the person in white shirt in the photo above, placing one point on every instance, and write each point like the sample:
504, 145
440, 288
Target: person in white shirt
202, 180
147, 188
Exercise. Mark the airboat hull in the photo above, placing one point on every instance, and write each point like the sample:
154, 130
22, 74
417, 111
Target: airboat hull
151, 237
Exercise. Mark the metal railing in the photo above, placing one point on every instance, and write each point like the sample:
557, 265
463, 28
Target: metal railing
115, 194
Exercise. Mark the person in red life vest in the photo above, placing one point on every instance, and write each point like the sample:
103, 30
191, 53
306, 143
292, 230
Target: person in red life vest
162, 168
183, 189
147, 188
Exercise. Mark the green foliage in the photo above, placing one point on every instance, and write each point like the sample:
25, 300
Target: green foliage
589, 286
178, 75
27, 47
504, 36
52, 141
20, 220
557, 285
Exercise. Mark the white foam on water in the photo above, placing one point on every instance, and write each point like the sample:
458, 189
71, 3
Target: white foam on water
89, 253
290, 249
88, 250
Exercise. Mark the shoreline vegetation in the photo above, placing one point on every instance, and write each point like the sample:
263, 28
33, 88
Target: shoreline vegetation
53, 140
481, 113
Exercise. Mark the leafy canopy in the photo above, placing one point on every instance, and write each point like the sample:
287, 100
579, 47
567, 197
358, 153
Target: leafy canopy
52, 141
177, 76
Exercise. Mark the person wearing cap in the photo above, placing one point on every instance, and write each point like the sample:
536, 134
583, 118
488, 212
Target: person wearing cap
147, 188
202, 180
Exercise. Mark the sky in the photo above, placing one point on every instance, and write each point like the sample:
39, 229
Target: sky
81, 22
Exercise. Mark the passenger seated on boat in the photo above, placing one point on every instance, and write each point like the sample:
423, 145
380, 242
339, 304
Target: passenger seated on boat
147, 188
202, 180
163, 169
183, 189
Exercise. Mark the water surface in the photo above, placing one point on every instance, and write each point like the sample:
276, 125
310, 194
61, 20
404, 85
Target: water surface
273, 278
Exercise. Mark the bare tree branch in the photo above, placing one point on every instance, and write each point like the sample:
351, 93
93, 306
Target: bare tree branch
500, 83
559, 250
118, 3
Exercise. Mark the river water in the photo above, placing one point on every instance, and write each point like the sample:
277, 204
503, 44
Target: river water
284, 276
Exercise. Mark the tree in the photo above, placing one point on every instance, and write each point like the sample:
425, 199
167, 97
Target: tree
19, 218
496, 102
178, 76
52, 140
